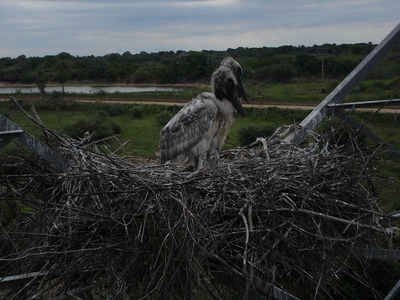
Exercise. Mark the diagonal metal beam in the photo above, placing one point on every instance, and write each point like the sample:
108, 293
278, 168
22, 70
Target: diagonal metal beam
366, 132
346, 86
394, 292
32, 143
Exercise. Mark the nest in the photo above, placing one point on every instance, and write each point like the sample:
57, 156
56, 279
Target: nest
266, 218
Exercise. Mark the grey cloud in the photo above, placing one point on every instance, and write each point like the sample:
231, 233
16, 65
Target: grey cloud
103, 26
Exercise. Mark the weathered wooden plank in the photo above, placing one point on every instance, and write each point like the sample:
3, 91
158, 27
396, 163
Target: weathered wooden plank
345, 87
35, 145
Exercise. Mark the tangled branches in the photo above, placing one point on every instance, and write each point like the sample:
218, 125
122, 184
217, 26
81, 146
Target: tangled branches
275, 213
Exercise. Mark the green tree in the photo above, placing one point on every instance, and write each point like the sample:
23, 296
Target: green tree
282, 73
306, 64
63, 72
98, 66
143, 75
41, 79
195, 65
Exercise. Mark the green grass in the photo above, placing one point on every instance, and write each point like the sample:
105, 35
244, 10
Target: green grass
143, 133
315, 91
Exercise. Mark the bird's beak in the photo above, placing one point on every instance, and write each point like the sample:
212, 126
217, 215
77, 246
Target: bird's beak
237, 103
242, 91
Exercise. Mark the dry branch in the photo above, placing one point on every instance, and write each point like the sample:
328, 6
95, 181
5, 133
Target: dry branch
275, 212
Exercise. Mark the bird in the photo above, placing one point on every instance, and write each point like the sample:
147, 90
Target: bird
187, 137
237, 70
226, 124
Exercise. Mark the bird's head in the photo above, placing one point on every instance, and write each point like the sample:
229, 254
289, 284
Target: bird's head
237, 70
225, 86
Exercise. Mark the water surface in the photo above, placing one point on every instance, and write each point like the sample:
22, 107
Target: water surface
88, 89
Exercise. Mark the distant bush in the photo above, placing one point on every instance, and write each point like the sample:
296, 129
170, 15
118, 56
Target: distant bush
53, 103
101, 92
112, 109
98, 123
163, 118
339, 133
249, 134
137, 113
330, 86
282, 73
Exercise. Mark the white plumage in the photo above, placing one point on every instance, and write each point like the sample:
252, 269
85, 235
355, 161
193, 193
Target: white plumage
202, 122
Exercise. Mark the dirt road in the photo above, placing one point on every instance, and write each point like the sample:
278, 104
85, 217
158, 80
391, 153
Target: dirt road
180, 102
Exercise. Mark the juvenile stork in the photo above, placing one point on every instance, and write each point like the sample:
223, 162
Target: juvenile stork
237, 70
187, 136
225, 125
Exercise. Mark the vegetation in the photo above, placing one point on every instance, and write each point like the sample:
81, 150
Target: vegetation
281, 64
285, 74
249, 134
98, 124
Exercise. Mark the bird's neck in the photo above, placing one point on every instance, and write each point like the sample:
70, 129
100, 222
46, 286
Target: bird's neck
225, 107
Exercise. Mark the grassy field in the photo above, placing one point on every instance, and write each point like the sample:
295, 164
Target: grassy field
143, 133
315, 92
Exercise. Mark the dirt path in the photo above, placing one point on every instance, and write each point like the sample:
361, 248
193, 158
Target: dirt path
180, 102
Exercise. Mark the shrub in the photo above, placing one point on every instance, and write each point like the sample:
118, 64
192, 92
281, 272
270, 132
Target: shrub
55, 102
247, 135
282, 73
137, 113
163, 118
112, 109
339, 133
98, 123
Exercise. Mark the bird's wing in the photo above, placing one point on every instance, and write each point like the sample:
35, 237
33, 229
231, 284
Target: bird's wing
187, 127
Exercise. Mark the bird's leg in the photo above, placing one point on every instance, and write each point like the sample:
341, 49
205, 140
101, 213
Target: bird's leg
217, 154
196, 163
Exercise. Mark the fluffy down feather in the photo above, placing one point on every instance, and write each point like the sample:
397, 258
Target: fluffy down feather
192, 125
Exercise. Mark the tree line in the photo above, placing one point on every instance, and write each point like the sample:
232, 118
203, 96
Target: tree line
270, 64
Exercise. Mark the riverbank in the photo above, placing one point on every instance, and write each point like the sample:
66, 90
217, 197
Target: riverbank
52, 84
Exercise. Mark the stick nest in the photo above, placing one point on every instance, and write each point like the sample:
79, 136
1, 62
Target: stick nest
284, 215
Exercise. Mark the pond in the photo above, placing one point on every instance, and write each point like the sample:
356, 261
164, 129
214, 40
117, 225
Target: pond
88, 89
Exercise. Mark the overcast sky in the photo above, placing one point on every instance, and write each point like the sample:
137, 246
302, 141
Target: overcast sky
99, 27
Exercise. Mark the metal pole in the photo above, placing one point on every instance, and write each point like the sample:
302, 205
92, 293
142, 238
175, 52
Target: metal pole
345, 87
394, 292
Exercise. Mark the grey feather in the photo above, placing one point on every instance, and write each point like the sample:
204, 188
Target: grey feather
187, 127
